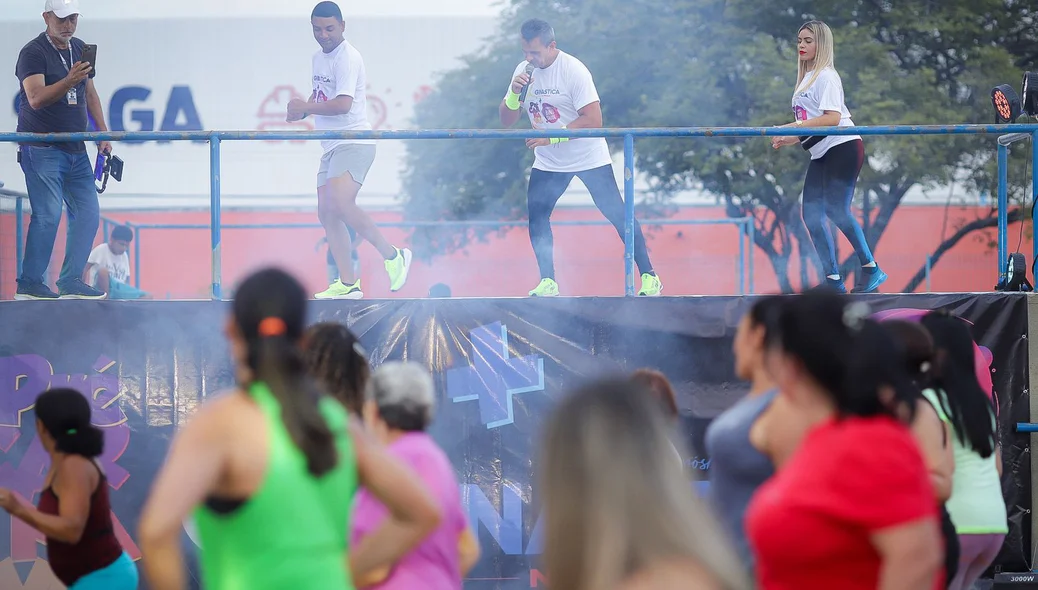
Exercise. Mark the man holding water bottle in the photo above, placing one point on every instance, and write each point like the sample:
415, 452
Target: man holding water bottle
57, 93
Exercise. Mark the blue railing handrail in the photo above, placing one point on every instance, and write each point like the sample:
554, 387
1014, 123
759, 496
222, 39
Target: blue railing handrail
215, 138
745, 225
520, 133
6, 192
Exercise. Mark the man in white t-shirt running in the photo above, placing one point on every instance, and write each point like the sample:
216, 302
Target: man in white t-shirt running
562, 94
338, 102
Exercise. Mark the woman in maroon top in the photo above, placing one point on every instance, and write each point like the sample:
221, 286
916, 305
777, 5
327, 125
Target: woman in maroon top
74, 513
853, 507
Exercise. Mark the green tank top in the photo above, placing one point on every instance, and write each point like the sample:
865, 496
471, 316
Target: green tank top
293, 531
976, 506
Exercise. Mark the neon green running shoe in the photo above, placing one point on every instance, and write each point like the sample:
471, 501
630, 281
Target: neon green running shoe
652, 286
398, 269
546, 288
340, 290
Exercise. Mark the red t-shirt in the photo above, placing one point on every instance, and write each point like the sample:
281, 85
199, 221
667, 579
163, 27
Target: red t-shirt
810, 524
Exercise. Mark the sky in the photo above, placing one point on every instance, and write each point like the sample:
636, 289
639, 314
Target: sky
138, 9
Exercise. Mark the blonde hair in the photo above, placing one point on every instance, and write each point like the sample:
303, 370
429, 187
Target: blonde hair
823, 54
614, 502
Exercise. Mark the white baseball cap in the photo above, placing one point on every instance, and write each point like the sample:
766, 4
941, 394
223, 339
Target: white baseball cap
62, 8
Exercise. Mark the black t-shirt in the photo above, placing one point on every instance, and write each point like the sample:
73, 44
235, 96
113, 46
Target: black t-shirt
39, 56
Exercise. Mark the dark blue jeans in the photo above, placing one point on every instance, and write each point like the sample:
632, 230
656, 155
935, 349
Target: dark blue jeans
53, 176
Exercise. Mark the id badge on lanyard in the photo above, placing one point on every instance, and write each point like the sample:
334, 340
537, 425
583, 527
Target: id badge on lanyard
70, 97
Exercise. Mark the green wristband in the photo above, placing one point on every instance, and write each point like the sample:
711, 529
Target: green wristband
512, 100
558, 140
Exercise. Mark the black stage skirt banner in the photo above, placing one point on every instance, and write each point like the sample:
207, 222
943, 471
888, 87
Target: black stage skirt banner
500, 365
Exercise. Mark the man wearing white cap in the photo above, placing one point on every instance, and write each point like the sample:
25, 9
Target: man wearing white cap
57, 92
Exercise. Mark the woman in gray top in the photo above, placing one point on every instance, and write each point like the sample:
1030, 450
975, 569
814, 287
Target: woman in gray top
737, 467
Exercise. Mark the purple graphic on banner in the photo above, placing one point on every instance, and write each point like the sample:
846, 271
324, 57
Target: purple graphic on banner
494, 376
982, 356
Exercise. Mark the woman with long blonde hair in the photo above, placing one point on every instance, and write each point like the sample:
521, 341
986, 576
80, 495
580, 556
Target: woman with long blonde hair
617, 514
836, 160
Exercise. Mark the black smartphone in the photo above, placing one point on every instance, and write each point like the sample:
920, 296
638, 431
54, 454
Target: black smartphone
89, 55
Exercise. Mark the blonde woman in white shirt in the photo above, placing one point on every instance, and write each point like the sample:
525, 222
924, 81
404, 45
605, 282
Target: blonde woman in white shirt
836, 160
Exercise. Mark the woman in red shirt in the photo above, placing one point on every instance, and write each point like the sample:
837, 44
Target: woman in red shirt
853, 507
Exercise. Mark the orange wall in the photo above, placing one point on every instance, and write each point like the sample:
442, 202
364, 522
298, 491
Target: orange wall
692, 260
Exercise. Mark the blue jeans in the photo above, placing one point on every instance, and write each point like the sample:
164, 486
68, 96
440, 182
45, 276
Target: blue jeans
121, 290
53, 176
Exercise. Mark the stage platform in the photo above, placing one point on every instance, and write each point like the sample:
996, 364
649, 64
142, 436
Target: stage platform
500, 365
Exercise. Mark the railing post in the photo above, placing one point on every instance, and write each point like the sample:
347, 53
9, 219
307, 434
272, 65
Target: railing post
19, 235
929, 266
136, 256
214, 211
1003, 213
1034, 194
629, 215
753, 246
742, 258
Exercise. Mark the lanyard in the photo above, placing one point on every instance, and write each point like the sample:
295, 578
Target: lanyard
62, 55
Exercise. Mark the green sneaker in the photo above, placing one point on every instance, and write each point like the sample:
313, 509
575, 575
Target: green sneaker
652, 286
339, 290
546, 288
398, 269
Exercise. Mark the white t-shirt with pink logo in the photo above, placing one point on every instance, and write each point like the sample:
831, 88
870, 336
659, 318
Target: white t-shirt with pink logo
825, 94
553, 100
341, 73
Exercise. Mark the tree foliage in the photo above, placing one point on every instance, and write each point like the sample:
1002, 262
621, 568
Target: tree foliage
725, 63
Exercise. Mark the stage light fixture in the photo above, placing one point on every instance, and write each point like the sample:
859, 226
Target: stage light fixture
1006, 102
1015, 278
1029, 92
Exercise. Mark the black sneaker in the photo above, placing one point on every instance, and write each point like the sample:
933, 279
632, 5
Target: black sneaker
80, 290
34, 292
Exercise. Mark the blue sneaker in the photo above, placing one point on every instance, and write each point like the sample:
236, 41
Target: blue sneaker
869, 279
79, 290
835, 284
34, 292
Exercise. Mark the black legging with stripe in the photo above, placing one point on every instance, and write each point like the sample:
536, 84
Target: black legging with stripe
828, 191
543, 193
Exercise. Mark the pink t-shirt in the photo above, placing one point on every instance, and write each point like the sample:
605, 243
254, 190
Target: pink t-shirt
433, 565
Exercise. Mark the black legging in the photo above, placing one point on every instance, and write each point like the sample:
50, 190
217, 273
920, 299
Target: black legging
544, 192
828, 190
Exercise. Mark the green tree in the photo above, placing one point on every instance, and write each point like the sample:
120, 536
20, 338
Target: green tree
712, 63
945, 57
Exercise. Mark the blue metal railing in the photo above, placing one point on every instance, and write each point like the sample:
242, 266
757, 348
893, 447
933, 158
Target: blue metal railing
628, 134
745, 267
19, 227
1004, 142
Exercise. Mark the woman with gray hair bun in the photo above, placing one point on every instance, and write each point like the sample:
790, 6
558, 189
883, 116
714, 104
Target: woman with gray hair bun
399, 403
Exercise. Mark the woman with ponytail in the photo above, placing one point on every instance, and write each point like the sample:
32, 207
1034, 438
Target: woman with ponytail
74, 512
853, 507
977, 506
930, 430
269, 470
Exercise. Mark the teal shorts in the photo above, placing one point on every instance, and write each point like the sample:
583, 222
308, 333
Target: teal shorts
120, 575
